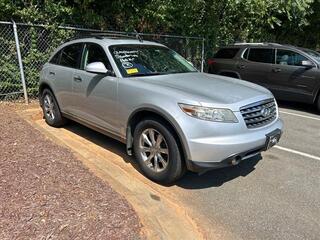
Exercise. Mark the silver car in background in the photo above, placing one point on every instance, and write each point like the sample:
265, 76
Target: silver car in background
169, 115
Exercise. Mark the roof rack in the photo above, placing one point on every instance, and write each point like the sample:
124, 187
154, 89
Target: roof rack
245, 43
110, 35
258, 43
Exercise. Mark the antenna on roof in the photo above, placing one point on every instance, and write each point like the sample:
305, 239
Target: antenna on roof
138, 36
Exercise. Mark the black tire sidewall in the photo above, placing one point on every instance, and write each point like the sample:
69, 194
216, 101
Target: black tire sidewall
175, 166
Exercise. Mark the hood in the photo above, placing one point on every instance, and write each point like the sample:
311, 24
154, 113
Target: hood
209, 88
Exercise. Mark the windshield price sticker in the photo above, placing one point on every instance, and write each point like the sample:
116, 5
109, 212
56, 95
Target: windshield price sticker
132, 70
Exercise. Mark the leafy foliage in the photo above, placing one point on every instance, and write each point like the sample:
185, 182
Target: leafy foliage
220, 22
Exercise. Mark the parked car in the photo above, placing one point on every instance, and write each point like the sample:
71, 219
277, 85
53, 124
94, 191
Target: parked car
168, 114
289, 72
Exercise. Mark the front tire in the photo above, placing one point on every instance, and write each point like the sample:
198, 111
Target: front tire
157, 151
51, 110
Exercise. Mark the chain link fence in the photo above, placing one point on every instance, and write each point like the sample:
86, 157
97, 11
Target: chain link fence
35, 43
10, 82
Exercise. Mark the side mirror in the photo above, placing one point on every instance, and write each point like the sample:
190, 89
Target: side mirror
307, 64
96, 67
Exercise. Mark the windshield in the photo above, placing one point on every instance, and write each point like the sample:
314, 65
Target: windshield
315, 55
148, 60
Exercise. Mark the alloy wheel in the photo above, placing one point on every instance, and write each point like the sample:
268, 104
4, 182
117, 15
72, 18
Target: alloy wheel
49, 107
154, 150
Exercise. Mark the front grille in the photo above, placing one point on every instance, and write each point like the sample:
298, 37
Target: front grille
260, 113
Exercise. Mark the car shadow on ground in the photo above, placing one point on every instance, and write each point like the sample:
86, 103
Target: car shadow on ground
217, 177
213, 178
304, 107
103, 141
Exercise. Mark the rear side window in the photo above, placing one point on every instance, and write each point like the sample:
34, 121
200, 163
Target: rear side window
246, 53
56, 58
227, 53
263, 55
70, 55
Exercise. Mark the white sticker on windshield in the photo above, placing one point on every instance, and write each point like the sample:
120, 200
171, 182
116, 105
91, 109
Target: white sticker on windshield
126, 54
127, 64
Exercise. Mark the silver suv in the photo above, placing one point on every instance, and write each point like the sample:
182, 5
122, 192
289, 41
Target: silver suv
169, 115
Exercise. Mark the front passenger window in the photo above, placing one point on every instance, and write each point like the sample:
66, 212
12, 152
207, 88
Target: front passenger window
287, 57
95, 53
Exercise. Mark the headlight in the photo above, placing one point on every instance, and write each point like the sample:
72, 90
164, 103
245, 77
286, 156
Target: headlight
209, 114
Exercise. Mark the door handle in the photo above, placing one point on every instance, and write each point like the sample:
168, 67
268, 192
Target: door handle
276, 70
77, 79
241, 66
52, 73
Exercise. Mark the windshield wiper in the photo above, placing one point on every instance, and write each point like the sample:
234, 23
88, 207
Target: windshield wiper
182, 72
145, 74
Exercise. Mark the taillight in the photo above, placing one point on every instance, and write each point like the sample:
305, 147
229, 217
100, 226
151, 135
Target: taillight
211, 62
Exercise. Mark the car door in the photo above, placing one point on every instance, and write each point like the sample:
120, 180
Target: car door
61, 72
255, 65
96, 94
292, 80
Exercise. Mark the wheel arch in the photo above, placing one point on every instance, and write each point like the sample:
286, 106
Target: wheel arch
43, 86
317, 95
148, 112
227, 73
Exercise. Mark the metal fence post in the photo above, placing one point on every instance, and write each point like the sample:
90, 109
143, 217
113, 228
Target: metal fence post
202, 55
20, 62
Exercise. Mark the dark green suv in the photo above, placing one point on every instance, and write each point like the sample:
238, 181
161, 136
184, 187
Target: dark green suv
291, 73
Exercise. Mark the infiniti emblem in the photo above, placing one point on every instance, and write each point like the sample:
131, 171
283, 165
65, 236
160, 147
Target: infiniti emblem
265, 112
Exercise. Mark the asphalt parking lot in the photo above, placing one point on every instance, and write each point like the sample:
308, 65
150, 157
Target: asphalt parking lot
273, 196
276, 197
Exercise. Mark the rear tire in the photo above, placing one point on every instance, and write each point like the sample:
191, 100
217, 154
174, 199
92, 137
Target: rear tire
157, 152
51, 110
318, 103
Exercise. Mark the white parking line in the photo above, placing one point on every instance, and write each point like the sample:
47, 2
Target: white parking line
298, 152
299, 115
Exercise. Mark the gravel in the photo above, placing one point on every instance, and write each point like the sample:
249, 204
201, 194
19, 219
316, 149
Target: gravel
46, 193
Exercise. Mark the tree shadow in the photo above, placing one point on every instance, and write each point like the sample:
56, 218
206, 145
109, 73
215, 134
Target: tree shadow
214, 178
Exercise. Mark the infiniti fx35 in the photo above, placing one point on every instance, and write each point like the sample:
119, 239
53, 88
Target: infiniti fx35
170, 116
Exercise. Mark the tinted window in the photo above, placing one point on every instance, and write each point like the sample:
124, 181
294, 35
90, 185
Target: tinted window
263, 55
56, 58
246, 53
287, 57
70, 55
226, 53
95, 53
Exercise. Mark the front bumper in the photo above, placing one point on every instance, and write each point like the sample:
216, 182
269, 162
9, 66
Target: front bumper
196, 166
217, 152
